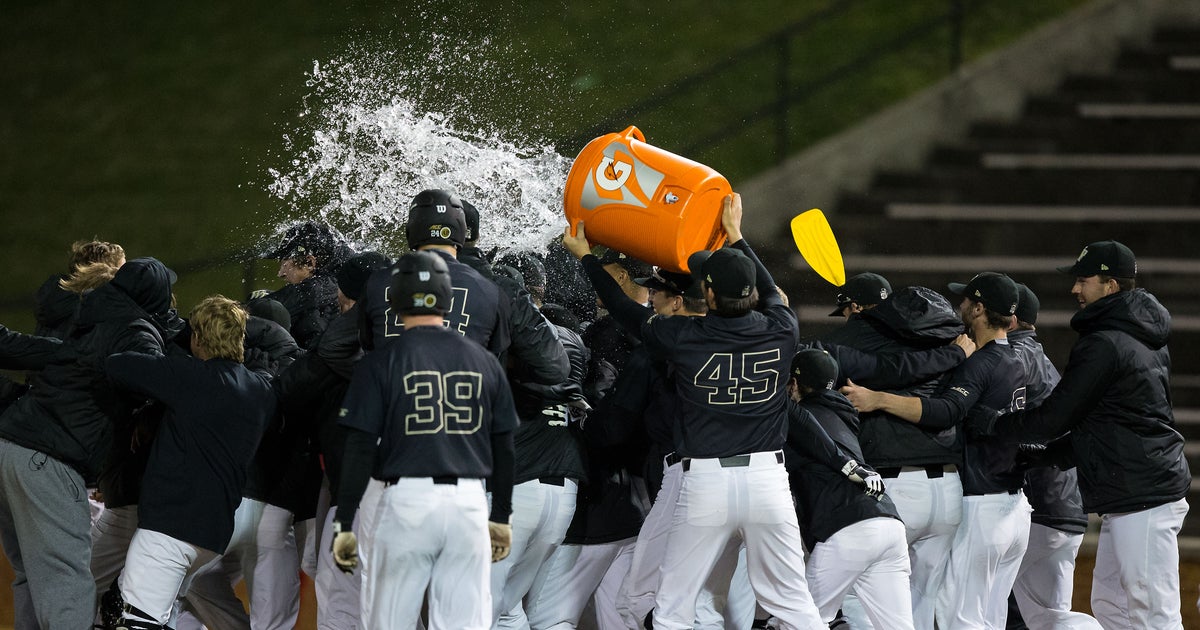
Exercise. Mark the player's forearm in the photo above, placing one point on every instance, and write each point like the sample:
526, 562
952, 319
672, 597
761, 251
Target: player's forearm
629, 314
503, 473
907, 407
357, 461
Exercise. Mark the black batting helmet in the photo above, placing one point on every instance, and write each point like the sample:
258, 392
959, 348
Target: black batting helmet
420, 285
436, 217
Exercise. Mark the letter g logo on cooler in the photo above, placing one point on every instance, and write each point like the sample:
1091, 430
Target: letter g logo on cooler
611, 174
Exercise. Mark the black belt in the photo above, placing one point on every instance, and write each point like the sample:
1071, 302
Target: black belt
735, 461
442, 480
553, 481
932, 471
673, 458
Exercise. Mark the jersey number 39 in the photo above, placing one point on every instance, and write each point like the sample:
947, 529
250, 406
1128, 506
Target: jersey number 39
443, 402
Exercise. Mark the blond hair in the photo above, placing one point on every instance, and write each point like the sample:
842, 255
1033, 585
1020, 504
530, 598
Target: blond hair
88, 276
219, 326
85, 252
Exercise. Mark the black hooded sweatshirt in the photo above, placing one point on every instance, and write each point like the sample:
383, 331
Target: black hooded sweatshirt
70, 411
1115, 400
826, 501
913, 318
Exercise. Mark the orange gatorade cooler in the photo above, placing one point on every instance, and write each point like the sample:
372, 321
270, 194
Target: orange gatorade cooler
644, 201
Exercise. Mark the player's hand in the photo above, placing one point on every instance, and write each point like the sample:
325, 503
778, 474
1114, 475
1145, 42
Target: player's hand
345, 551
501, 535
965, 342
731, 216
858, 473
980, 422
863, 399
578, 244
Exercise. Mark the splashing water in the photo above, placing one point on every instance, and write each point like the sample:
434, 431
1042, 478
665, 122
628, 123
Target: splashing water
369, 147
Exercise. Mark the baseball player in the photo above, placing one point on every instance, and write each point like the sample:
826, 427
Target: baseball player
217, 411
1047, 574
728, 371
921, 465
440, 409
856, 540
477, 310
1114, 400
861, 292
990, 541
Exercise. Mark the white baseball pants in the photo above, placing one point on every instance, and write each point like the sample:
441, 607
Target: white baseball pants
541, 514
931, 509
716, 504
1136, 580
337, 593
870, 558
157, 572
984, 560
1046, 581
640, 586
575, 575
431, 537
112, 531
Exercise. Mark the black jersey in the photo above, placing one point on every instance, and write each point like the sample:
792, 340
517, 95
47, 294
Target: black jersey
477, 310
993, 378
200, 458
826, 501
434, 399
1053, 493
729, 375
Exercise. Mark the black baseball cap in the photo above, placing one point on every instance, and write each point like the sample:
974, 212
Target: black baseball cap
996, 291
815, 369
864, 289
671, 282
728, 272
303, 239
1028, 304
1108, 258
353, 274
635, 267
436, 217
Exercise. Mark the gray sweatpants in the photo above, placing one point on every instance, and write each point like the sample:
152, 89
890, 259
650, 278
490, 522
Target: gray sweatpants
44, 525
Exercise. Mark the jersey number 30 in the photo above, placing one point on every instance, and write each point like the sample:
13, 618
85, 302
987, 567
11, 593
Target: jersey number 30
736, 378
443, 402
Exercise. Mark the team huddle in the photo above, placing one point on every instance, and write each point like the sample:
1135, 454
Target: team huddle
571, 440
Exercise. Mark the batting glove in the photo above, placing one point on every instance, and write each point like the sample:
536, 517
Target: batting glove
345, 549
501, 535
861, 474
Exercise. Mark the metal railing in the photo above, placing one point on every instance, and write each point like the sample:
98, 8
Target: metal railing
788, 93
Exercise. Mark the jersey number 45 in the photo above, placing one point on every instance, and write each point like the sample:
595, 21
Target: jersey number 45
739, 378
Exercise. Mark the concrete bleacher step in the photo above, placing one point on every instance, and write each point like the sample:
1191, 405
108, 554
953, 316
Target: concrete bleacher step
1169, 85
958, 184
1042, 213
884, 227
1073, 134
